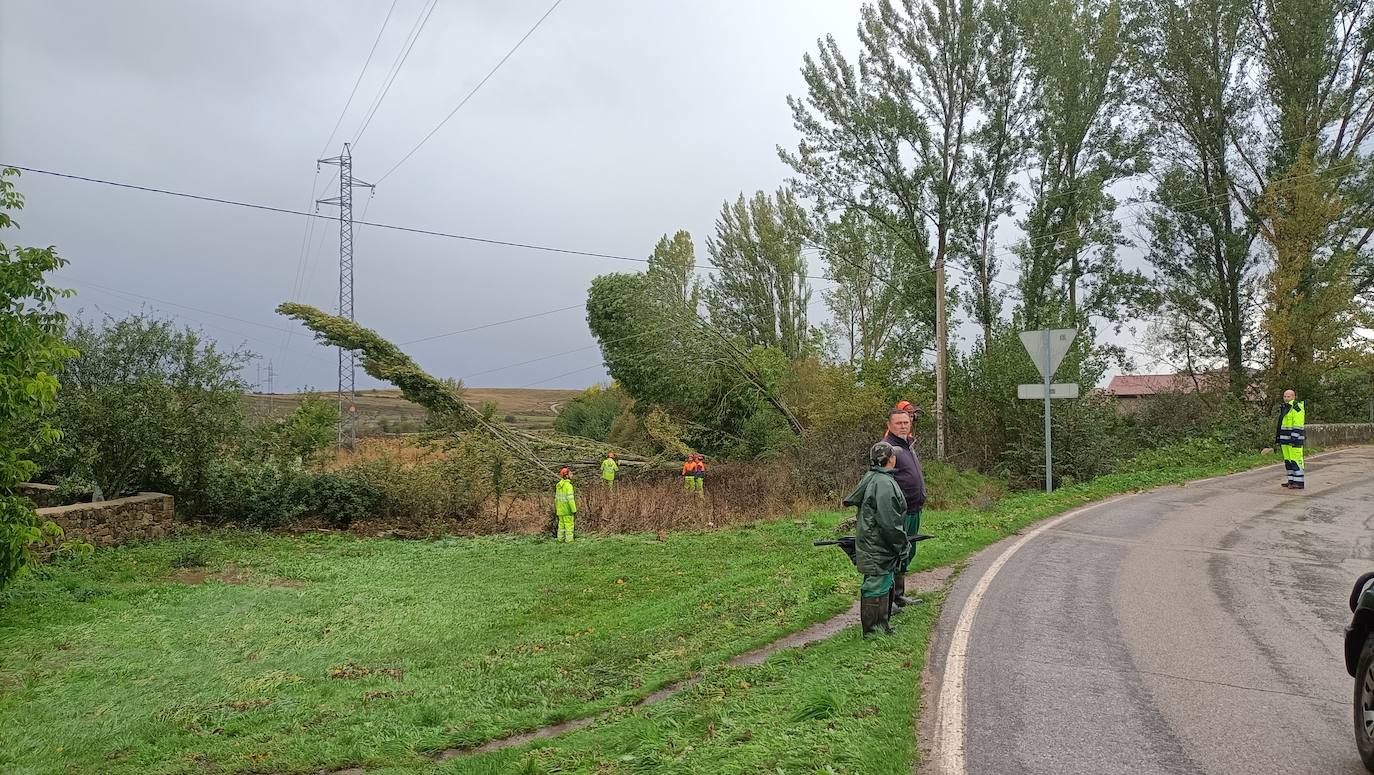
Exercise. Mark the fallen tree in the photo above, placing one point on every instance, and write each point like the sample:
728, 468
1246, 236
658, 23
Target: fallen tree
545, 453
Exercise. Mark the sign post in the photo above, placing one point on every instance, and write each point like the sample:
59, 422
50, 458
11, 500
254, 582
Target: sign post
1047, 348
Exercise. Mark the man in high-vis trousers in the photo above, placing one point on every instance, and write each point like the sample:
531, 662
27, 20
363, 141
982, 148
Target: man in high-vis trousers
565, 505
1291, 438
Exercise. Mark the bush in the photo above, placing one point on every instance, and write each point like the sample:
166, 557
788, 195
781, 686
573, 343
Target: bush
591, 414
1182, 454
339, 500
254, 493
310, 428
146, 406
414, 491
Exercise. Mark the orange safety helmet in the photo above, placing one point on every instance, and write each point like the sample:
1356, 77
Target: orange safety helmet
908, 407
565, 472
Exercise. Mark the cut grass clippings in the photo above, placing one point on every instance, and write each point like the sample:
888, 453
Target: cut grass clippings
111, 666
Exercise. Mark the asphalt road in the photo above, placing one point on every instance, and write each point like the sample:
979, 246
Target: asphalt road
1191, 629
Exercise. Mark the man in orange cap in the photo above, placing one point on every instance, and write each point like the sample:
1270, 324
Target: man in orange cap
565, 505
908, 474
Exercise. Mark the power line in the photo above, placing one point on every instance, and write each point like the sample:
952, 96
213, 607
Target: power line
108, 289
560, 376
391, 227
307, 214
356, 83
130, 296
475, 89
492, 325
396, 68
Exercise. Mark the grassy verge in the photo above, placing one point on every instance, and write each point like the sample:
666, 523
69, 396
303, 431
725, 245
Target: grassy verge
844, 706
328, 651
334, 651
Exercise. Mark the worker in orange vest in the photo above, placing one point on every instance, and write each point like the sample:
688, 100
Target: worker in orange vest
699, 474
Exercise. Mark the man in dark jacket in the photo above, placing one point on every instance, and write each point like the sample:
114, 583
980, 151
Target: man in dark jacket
913, 484
879, 540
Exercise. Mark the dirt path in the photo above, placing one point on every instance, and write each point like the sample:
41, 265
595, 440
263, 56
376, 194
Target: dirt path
921, 583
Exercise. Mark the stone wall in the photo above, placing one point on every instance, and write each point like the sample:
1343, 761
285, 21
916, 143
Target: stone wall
107, 523
42, 495
1339, 434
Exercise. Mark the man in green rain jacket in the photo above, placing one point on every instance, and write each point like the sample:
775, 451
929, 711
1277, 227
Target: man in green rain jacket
880, 536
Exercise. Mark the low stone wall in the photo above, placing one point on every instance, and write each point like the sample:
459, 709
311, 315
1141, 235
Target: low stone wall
107, 523
1340, 434
42, 495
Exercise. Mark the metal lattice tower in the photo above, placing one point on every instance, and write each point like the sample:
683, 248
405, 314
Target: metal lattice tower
348, 431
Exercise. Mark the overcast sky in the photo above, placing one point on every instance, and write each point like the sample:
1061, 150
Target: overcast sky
616, 122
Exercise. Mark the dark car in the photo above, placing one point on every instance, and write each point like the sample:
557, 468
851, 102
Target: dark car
1359, 662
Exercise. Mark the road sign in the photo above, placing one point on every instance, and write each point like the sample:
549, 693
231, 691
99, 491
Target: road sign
1047, 348
1057, 390
1047, 362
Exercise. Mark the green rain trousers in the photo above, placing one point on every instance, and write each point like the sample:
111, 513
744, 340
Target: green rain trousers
565, 506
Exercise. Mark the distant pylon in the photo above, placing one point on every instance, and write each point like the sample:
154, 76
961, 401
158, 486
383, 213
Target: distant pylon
348, 430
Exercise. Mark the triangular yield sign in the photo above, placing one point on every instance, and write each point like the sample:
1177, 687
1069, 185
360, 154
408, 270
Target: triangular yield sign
1060, 339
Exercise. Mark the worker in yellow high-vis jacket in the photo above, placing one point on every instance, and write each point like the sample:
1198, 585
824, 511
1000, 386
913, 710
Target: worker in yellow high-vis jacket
1291, 437
565, 505
609, 468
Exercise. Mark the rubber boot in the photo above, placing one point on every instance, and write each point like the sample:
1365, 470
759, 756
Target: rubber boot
899, 598
885, 614
872, 610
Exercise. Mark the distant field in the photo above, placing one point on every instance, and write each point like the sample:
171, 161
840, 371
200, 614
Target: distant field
385, 411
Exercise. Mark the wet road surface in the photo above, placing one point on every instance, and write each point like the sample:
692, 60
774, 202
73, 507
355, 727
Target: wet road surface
1191, 629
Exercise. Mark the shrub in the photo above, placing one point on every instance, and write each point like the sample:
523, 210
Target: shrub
591, 414
413, 491
1181, 454
310, 428
255, 493
339, 500
146, 406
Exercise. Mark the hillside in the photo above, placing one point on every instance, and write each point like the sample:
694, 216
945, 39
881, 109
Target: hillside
385, 411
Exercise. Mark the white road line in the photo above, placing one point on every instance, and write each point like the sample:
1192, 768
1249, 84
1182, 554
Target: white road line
950, 712
949, 733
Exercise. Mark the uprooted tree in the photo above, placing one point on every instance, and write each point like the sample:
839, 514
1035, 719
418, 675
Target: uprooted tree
444, 398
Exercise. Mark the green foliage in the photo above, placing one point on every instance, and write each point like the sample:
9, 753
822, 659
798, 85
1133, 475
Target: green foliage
1083, 137
274, 493
875, 317
592, 414
760, 293
1344, 395
662, 356
146, 406
385, 361
310, 428
672, 269
339, 500
31, 353
993, 431
487, 410
253, 493
454, 485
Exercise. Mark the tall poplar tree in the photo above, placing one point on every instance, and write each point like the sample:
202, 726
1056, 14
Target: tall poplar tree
759, 291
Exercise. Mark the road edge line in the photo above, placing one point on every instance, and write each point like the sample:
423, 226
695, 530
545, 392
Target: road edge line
950, 710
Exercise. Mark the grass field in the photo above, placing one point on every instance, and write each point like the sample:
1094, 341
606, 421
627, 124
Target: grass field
245, 653
385, 411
